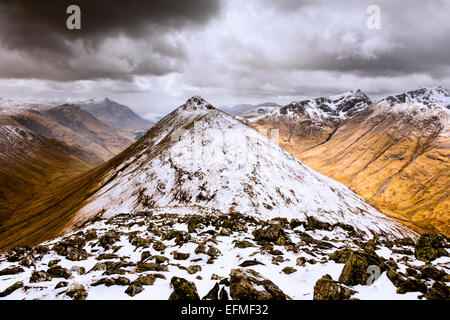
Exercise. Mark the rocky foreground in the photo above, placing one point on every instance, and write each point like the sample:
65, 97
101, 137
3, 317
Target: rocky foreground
211, 256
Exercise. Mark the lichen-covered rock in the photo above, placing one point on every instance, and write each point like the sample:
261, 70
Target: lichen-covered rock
11, 270
213, 294
328, 289
431, 272
250, 263
313, 224
341, 256
439, 291
134, 289
411, 285
59, 272
243, 244
194, 269
244, 284
289, 270
108, 239
159, 246
144, 266
355, 270
183, 290
431, 246
11, 289
146, 280
271, 233
40, 276
181, 256
77, 291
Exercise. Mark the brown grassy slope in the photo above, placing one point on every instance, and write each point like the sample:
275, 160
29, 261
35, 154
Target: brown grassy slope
53, 212
399, 165
29, 163
74, 126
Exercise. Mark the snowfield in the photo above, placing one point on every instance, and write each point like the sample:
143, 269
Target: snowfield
158, 245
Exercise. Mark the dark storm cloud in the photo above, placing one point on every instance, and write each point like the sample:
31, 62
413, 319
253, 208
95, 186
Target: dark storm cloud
36, 30
248, 50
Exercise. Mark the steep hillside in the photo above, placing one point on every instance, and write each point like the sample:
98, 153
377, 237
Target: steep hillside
72, 125
30, 162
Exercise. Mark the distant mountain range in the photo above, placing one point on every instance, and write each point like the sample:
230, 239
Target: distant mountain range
116, 115
241, 108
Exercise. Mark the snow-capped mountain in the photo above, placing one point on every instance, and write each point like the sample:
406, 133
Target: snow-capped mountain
200, 156
426, 96
115, 115
338, 107
246, 108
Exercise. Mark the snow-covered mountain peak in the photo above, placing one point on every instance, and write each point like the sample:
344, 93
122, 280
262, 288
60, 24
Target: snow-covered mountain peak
425, 95
196, 103
209, 159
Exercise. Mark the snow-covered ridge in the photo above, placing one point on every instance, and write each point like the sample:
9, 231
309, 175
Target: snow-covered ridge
338, 107
425, 95
217, 162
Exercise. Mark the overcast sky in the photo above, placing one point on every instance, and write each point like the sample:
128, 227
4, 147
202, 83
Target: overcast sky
153, 55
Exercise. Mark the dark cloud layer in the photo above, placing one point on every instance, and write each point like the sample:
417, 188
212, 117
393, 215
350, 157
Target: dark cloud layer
245, 51
37, 30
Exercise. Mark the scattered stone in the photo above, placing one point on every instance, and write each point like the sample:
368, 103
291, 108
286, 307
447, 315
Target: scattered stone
75, 254
276, 252
53, 263
59, 272
159, 246
431, 272
431, 246
314, 224
243, 283
107, 256
183, 290
328, 289
77, 291
250, 263
223, 295
200, 249
78, 270
213, 294
301, 261
289, 270
213, 252
11, 270
145, 255
181, 256
341, 256
243, 244
40, 276
439, 291
109, 239
134, 289
11, 289
146, 280
354, 271
61, 284
404, 242
194, 269
144, 266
